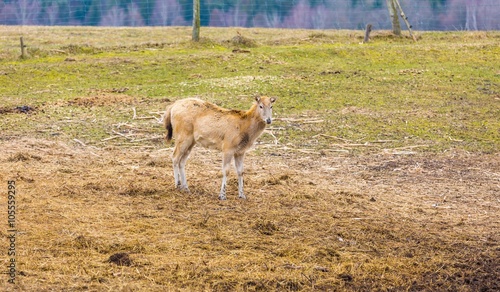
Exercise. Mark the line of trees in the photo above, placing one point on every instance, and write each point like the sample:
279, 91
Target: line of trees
319, 14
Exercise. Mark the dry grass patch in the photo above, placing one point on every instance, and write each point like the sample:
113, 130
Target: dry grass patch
327, 222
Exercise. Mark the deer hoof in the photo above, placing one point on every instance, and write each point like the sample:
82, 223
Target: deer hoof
184, 189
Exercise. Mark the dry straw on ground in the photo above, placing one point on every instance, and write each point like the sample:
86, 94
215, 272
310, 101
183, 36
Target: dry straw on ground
311, 222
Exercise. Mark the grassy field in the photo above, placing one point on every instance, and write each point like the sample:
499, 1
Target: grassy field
381, 170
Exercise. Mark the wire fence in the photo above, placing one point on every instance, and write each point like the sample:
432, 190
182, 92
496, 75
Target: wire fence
311, 14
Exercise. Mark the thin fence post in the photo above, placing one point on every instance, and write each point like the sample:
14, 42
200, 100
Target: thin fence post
23, 49
196, 20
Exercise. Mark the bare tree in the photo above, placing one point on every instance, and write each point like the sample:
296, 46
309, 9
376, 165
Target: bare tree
237, 14
165, 12
134, 15
320, 17
471, 12
272, 19
27, 11
52, 12
114, 17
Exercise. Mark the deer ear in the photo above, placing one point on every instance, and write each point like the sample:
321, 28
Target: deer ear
273, 99
257, 98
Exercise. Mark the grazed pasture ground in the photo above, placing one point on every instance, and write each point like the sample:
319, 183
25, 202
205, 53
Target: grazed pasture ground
381, 171
377, 221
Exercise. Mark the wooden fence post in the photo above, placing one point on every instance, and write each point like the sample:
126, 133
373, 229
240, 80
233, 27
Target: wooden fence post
396, 27
367, 32
23, 49
196, 20
405, 18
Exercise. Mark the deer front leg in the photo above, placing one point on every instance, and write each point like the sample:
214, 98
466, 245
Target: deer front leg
177, 179
226, 163
238, 162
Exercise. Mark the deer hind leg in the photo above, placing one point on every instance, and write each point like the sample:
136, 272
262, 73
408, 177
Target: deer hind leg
179, 158
182, 167
226, 163
175, 162
238, 162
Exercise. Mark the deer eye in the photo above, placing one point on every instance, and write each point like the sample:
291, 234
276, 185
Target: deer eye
261, 106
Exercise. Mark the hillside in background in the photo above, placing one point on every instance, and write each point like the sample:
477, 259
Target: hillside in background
315, 14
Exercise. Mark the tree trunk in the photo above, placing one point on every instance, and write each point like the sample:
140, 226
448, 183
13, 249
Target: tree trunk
196, 20
396, 26
470, 16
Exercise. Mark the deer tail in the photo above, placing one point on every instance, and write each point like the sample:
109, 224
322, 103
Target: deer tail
167, 122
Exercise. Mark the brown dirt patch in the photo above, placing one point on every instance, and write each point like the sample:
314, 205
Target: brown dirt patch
120, 259
104, 98
311, 222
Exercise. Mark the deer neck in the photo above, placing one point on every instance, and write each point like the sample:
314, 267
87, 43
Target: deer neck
257, 124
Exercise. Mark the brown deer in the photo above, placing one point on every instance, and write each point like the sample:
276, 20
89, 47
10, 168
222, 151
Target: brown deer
194, 121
